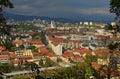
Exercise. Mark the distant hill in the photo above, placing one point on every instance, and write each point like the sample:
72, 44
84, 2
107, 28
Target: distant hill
93, 18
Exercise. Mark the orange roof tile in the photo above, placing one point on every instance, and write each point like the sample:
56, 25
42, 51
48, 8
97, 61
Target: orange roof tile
101, 37
17, 42
15, 61
24, 57
56, 39
68, 54
12, 54
102, 53
4, 56
77, 57
28, 40
83, 50
38, 42
95, 65
2, 48
50, 54
37, 54
43, 49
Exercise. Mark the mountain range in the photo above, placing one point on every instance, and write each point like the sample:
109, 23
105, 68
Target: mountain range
80, 18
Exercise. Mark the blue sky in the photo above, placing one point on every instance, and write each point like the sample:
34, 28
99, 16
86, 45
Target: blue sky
60, 8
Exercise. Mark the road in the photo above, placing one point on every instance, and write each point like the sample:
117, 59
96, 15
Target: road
26, 72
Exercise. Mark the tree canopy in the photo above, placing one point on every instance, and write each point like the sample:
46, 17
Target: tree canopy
5, 3
115, 7
4, 29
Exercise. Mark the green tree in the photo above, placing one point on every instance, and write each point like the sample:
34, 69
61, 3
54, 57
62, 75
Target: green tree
4, 29
43, 38
115, 7
90, 58
34, 67
112, 58
1, 76
6, 67
21, 77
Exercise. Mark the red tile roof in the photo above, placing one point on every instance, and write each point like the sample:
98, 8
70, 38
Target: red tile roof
59, 40
102, 53
38, 42
114, 39
56, 39
50, 54
37, 54
78, 58
95, 65
4, 56
83, 50
101, 37
2, 48
68, 54
29, 40
43, 49
15, 61
24, 57
12, 54
17, 42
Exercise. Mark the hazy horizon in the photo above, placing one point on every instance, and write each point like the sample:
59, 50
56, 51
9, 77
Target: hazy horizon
60, 8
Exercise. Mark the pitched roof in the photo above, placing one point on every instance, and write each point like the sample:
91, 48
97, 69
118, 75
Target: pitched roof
17, 41
68, 54
101, 37
36, 54
38, 42
2, 48
50, 54
28, 40
24, 57
95, 65
102, 53
12, 54
15, 61
83, 50
43, 49
4, 56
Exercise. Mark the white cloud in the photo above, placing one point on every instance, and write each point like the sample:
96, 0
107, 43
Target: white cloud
25, 7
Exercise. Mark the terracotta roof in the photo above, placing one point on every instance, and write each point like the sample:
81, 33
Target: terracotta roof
38, 42
102, 53
4, 53
114, 39
59, 40
24, 57
56, 39
78, 58
37, 54
68, 54
2, 48
83, 50
95, 65
50, 54
17, 42
101, 37
43, 49
15, 61
12, 54
4, 56
28, 40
